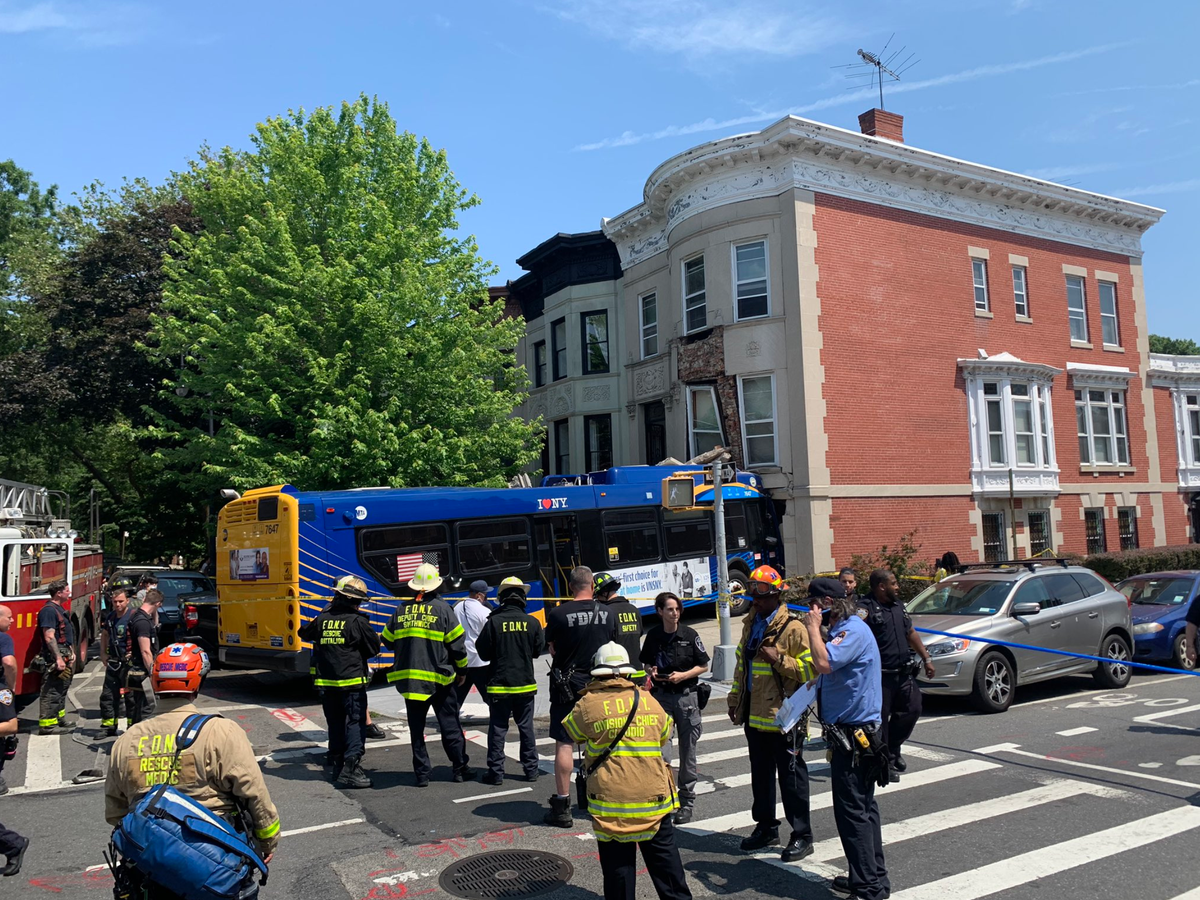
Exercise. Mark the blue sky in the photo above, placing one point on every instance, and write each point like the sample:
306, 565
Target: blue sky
555, 113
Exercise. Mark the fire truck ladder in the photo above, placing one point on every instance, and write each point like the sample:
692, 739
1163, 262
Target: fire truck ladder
24, 504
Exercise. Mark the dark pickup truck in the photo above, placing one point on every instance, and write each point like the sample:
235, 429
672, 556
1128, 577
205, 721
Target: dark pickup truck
174, 584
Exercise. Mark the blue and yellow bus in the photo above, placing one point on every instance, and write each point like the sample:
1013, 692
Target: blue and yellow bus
280, 550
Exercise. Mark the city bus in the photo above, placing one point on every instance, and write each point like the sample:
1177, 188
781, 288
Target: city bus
281, 550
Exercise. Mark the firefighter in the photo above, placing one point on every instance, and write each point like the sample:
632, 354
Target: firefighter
58, 659
218, 771
630, 794
430, 657
510, 641
773, 660
627, 621
114, 659
12, 845
142, 632
346, 641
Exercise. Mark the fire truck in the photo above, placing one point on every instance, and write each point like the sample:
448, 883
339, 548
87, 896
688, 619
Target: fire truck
36, 548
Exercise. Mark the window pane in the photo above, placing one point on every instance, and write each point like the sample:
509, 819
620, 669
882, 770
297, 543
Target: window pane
1076, 308
688, 534
756, 392
1108, 312
760, 451
1023, 429
598, 430
632, 534
979, 280
1044, 406
595, 331
1020, 298
706, 424
693, 276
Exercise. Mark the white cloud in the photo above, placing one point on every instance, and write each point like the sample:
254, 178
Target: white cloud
700, 29
39, 17
990, 71
1054, 173
1169, 187
1140, 88
95, 24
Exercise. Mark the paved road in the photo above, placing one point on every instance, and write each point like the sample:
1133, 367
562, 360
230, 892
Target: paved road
1074, 791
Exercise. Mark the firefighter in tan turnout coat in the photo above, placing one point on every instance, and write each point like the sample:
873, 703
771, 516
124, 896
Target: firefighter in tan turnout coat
630, 792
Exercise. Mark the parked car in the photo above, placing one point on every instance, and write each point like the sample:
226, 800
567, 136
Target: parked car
1158, 603
172, 616
200, 622
1059, 607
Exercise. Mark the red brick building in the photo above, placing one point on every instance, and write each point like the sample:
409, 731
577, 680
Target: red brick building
896, 340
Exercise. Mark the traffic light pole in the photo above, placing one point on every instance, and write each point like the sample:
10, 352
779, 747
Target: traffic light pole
725, 653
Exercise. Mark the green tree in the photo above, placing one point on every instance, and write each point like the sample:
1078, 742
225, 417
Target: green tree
27, 220
1174, 346
328, 325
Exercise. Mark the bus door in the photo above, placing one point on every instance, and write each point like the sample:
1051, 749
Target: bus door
558, 552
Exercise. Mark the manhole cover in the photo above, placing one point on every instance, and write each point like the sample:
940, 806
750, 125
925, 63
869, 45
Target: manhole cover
506, 873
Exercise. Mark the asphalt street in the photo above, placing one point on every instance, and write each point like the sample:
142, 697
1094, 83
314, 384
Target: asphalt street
1073, 791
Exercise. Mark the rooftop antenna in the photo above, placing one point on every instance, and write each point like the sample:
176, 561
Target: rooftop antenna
881, 64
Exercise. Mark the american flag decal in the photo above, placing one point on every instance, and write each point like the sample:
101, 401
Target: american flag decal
406, 563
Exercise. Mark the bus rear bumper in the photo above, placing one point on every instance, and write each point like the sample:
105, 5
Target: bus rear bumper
294, 661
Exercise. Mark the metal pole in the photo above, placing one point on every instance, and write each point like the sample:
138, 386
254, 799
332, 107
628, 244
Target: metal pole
1012, 513
725, 655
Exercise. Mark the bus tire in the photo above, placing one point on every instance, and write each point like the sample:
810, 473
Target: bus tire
739, 601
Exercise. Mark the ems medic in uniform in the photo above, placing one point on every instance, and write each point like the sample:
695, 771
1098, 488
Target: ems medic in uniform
345, 640
625, 618
850, 701
630, 794
218, 771
430, 658
58, 659
773, 660
114, 659
901, 653
510, 641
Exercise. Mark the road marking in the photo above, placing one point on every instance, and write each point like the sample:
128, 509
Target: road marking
311, 828
721, 735
721, 755
744, 819
495, 794
1071, 732
1140, 684
1155, 717
1193, 894
43, 766
1015, 871
960, 816
1012, 748
300, 723
1186, 761
1150, 765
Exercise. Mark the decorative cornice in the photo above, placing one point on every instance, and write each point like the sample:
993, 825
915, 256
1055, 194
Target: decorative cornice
798, 153
1175, 371
1084, 375
1005, 364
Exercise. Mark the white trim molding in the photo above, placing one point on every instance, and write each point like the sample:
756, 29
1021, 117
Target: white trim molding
1091, 375
797, 153
1181, 375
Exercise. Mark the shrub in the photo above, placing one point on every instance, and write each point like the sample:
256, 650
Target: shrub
1125, 563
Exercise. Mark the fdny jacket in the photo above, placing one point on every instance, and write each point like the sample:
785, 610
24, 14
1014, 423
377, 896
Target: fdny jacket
511, 640
429, 647
759, 688
631, 792
343, 641
219, 771
627, 629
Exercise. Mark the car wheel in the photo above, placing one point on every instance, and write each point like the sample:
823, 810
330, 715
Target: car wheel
739, 600
1180, 655
995, 683
1115, 674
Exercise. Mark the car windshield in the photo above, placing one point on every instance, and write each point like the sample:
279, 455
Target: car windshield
961, 597
1157, 591
182, 584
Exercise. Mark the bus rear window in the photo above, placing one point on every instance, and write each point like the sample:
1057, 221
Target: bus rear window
688, 533
631, 536
268, 509
496, 545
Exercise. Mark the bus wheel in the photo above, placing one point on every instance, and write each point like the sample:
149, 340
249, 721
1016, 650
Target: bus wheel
739, 600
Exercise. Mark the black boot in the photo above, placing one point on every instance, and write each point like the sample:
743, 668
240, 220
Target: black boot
464, 773
353, 776
559, 814
14, 861
762, 836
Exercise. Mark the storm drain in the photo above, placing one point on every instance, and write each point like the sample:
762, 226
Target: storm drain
505, 874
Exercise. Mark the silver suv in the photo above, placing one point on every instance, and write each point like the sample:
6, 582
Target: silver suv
1049, 605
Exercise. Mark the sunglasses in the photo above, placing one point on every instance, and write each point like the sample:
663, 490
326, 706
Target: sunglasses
761, 589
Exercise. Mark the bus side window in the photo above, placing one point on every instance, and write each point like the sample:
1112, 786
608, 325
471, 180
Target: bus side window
688, 533
756, 526
736, 537
631, 535
392, 553
494, 545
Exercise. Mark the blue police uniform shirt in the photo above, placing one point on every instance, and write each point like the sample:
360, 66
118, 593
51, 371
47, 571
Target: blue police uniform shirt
853, 692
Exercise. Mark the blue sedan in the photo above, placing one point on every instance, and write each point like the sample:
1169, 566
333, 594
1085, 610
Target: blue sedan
1158, 603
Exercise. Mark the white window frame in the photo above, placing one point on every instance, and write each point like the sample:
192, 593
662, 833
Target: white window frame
643, 328
1118, 439
703, 292
737, 282
979, 282
1181, 376
1077, 314
1107, 318
1191, 411
691, 421
1021, 294
1041, 439
774, 420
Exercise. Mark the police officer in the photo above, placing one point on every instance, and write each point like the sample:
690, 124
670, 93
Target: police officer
58, 659
143, 642
849, 580
888, 621
624, 616
674, 657
773, 660
346, 640
218, 771
12, 845
114, 658
630, 794
510, 641
430, 655
850, 700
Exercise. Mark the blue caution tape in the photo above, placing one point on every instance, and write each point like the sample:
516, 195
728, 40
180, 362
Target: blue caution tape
995, 642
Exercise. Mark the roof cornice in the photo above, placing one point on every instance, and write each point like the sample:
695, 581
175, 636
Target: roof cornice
1007, 365
799, 153
1167, 370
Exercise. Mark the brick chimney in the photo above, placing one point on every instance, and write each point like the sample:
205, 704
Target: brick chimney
882, 124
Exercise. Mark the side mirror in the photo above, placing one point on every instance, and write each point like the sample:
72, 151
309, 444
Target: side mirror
1026, 609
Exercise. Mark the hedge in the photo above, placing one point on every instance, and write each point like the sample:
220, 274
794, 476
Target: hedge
1126, 563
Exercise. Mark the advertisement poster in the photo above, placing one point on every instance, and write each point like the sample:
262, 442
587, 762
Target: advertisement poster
249, 565
689, 578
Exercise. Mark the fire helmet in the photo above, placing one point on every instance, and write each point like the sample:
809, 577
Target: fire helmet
352, 588
612, 659
425, 578
179, 670
603, 583
766, 580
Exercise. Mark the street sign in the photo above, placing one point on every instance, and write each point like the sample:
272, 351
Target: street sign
678, 492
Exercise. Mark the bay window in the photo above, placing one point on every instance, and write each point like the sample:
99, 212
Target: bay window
1100, 421
704, 419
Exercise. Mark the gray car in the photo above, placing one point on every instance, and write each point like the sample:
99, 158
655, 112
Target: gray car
1066, 608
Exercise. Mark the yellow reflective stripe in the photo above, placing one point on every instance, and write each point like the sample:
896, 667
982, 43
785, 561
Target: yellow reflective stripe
520, 689
412, 695
597, 806
761, 723
625, 838
419, 675
427, 633
47, 723
759, 668
104, 723
573, 730
461, 663
333, 682
269, 832
455, 632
